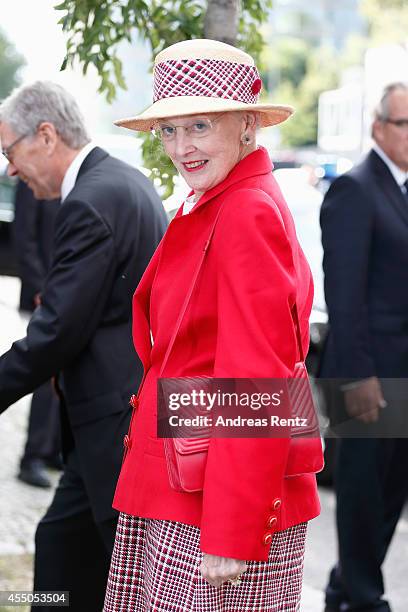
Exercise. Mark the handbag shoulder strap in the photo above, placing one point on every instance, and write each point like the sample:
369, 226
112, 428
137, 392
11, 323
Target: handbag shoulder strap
295, 317
189, 294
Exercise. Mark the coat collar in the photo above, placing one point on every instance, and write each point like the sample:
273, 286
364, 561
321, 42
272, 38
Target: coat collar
400, 176
71, 174
93, 158
388, 185
254, 164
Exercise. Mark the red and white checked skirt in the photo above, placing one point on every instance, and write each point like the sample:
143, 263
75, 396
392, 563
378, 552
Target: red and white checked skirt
155, 568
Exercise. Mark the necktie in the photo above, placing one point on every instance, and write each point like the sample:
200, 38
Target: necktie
405, 190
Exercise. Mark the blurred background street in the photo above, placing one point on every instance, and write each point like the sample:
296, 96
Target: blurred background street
23, 505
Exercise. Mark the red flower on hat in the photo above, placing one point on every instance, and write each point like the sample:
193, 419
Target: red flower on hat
256, 86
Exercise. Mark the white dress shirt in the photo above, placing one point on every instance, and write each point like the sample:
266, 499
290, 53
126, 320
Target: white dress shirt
71, 174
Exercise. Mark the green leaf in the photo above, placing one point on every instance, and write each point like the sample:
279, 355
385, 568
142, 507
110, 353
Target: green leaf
117, 66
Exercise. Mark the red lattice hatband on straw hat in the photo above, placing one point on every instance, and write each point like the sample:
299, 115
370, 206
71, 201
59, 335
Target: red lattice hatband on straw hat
205, 76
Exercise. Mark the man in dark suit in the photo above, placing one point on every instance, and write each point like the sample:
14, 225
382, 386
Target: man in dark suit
108, 225
33, 236
364, 222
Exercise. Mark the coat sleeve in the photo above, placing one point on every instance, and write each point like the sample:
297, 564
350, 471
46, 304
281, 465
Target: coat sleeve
73, 301
347, 226
256, 287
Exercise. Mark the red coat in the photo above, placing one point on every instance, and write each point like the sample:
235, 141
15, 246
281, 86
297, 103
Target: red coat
238, 324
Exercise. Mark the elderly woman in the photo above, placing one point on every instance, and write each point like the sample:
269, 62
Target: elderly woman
237, 544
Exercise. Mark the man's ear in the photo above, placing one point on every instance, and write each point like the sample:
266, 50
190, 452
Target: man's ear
377, 131
48, 135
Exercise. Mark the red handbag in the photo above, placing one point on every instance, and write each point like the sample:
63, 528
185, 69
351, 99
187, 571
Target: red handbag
186, 457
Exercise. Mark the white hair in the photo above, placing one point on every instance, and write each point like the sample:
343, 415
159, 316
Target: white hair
382, 110
43, 101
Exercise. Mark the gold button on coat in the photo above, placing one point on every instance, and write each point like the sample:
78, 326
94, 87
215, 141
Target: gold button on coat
271, 522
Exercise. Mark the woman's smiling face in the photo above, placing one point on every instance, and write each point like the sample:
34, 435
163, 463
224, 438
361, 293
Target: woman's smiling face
208, 147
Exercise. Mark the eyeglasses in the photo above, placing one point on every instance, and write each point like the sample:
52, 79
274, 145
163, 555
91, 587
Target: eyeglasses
6, 151
200, 128
399, 123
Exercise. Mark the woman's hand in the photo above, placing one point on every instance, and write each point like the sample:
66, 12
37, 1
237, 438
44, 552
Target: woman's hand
216, 570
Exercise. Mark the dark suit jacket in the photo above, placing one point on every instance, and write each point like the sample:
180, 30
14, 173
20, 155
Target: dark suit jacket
105, 234
33, 234
364, 222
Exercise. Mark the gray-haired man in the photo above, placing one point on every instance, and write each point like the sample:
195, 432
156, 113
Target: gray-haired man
108, 225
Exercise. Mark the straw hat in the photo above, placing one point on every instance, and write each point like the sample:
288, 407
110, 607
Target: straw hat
205, 76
